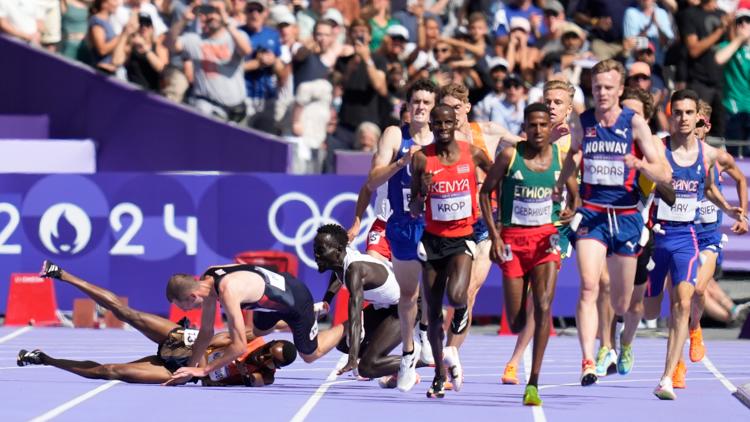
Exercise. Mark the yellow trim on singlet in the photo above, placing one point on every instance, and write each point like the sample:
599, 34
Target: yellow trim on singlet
563, 143
477, 139
510, 164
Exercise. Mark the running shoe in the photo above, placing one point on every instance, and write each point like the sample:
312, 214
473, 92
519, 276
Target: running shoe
697, 348
625, 360
26, 358
407, 371
510, 375
453, 364
664, 390
391, 381
588, 372
437, 389
50, 269
678, 377
426, 354
531, 396
320, 309
606, 362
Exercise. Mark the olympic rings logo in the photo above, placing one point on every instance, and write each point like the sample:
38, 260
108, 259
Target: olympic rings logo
306, 231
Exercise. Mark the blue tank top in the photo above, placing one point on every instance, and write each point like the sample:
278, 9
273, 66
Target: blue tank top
709, 215
688, 183
399, 185
606, 181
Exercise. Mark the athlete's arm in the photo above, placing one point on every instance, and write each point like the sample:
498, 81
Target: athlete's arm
499, 135
363, 201
572, 201
738, 213
570, 165
355, 277
665, 190
206, 332
334, 285
420, 182
726, 161
493, 181
383, 164
229, 295
653, 167
481, 159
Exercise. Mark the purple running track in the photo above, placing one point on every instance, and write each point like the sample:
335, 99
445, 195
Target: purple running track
302, 392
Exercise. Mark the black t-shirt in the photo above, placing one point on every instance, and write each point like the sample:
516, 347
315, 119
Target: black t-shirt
704, 68
359, 101
606, 8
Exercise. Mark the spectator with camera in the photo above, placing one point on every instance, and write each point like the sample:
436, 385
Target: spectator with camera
146, 55
217, 54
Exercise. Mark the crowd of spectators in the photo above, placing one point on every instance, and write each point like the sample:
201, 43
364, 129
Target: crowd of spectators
332, 74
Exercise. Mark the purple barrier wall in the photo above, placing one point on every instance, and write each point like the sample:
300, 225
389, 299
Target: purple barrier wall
135, 130
24, 127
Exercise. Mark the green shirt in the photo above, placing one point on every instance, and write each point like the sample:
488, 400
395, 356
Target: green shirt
737, 81
526, 198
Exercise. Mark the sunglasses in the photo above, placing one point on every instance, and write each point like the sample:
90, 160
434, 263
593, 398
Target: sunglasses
742, 20
253, 9
640, 77
441, 50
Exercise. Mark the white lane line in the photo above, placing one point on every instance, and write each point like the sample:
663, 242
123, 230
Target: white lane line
318, 394
537, 411
710, 366
75, 402
15, 334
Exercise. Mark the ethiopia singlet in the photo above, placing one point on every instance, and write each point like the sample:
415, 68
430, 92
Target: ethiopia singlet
399, 185
606, 181
688, 183
276, 296
451, 206
527, 195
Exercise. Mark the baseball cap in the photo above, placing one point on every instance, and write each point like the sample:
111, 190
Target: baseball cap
334, 16
282, 15
513, 80
572, 28
494, 62
741, 13
397, 31
262, 3
639, 68
554, 6
518, 22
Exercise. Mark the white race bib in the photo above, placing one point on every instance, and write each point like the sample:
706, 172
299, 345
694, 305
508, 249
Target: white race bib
452, 207
604, 172
708, 212
406, 195
189, 336
683, 210
531, 213
219, 373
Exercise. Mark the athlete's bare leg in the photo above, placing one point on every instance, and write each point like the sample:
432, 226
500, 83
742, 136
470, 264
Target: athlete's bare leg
376, 360
147, 370
480, 268
590, 269
680, 297
327, 340
634, 314
524, 337
705, 273
407, 275
622, 274
543, 281
605, 311
152, 326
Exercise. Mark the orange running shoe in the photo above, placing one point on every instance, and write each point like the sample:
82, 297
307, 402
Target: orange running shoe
588, 372
697, 348
678, 377
510, 376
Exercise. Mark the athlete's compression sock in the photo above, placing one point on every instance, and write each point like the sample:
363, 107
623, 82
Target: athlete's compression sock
460, 320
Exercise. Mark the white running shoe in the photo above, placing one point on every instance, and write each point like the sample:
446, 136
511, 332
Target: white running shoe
453, 364
407, 371
664, 390
426, 355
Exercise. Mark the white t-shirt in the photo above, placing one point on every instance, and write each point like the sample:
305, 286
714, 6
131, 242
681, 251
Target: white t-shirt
22, 14
121, 17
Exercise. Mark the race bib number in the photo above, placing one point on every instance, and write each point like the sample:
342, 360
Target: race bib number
708, 212
275, 280
189, 336
604, 172
217, 374
452, 207
531, 213
406, 195
683, 210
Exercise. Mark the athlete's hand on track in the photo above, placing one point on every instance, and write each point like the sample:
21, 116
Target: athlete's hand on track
566, 215
185, 374
350, 365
